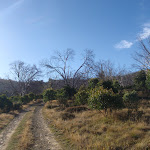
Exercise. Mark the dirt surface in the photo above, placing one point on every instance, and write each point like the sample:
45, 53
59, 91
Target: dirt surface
10, 129
43, 138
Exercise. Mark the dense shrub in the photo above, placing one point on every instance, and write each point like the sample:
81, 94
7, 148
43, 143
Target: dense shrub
39, 96
69, 91
81, 97
64, 94
100, 98
49, 94
140, 79
131, 100
31, 96
92, 83
15, 99
5, 104
110, 84
17, 106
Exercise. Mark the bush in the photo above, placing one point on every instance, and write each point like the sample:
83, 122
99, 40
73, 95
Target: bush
81, 97
100, 98
5, 104
17, 106
131, 100
15, 99
64, 94
140, 79
67, 116
49, 94
92, 83
31, 96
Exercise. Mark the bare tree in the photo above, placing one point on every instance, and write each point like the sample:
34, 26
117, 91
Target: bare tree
24, 74
143, 56
60, 64
104, 69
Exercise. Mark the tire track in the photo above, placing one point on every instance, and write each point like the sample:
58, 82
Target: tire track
6, 134
43, 137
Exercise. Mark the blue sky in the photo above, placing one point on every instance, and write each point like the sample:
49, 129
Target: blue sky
31, 30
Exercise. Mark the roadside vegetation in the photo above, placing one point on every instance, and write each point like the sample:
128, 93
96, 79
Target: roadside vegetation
96, 106
102, 115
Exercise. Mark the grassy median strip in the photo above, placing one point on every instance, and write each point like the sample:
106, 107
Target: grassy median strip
22, 139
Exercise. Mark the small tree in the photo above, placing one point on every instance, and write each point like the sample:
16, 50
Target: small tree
31, 96
140, 79
5, 104
100, 98
49, 94
131, 101
81, 97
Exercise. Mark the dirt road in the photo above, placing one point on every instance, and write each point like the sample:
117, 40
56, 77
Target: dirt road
43, 137
10, 129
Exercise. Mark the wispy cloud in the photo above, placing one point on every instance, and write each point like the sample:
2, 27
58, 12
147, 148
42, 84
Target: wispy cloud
123, 44
144, 34
11, 8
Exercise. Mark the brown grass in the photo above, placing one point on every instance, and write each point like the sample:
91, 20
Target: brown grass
22, 139
91, 130
4, 120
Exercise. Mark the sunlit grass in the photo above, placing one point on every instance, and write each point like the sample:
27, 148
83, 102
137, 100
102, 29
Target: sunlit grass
92, 130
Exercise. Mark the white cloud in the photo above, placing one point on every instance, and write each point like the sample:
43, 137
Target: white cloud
123, 44
145, 32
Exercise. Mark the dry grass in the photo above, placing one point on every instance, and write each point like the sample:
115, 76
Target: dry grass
91, 130
4, 120
22, 139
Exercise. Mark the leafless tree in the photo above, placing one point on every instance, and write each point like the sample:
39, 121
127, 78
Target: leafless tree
60, 64
104, 69
24, 74
143, 56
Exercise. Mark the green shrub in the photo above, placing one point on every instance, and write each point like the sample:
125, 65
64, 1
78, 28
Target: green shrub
5, 104
17, 106
100, 98
64, 94
131, 100
140, 79
31, 96
92, 83
15, 99
81, 97
49, 94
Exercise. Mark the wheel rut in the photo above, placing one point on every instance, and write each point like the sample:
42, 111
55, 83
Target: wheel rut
43, 137
6, 134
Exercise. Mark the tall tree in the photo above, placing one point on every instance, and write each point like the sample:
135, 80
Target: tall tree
60, 65
24, 74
